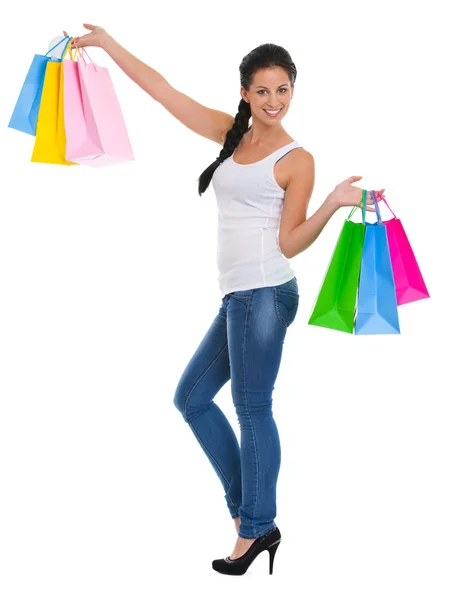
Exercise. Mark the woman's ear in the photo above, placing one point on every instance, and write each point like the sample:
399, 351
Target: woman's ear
242, 93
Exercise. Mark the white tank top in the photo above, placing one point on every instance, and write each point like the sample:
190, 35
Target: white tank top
249, 204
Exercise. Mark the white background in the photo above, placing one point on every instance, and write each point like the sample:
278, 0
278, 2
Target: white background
108, 282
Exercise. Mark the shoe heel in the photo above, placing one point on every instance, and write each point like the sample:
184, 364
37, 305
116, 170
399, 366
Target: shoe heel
272, 550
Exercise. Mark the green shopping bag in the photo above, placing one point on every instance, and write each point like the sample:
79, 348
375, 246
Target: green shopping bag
335, 304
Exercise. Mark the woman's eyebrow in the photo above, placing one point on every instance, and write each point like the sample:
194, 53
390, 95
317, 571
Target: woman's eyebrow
282, 85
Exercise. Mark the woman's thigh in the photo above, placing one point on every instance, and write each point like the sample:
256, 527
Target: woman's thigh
207, 370
257, 322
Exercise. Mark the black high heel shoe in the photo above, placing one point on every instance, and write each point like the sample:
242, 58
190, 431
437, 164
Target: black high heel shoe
238, 566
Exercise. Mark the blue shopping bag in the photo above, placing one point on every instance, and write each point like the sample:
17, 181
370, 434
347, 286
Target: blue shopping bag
377, 305
25, 113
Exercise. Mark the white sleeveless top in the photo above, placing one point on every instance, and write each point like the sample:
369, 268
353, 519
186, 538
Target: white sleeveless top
249, 203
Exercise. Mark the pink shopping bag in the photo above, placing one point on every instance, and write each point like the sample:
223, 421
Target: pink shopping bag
95, 129
409, 282
81, 133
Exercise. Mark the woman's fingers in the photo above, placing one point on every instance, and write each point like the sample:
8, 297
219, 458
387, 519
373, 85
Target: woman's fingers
376, 194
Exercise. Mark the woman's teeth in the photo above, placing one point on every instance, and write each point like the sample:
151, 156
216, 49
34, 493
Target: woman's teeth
272, 113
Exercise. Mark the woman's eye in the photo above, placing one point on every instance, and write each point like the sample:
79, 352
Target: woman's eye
281, 90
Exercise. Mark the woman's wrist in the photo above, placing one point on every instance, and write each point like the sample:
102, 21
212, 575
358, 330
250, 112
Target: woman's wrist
107, 42
332, 201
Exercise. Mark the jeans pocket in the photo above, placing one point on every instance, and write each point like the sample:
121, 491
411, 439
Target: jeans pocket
288, 286
241, 294
287, 304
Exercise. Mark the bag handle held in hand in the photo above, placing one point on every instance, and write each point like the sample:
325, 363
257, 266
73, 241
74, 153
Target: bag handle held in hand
69, 50
80, 55
377, 209
363, 208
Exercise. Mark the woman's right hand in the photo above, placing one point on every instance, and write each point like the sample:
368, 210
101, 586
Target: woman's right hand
97, 37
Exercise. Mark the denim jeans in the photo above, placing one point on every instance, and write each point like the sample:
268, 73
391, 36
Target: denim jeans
243, 344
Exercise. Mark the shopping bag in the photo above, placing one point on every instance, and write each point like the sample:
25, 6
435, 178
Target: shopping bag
409, 282
50, 136
104, 138
61, 137
25, 113
377, 307
82, 137
336, 302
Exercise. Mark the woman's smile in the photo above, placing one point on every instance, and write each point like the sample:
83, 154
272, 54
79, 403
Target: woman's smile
272, 113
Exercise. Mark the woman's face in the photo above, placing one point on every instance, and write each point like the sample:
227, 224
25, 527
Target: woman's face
270, 89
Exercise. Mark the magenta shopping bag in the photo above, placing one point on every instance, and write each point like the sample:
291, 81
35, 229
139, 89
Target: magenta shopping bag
95, 129
409, 282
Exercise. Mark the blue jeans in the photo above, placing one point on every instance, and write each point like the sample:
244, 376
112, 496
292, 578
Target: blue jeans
244, 344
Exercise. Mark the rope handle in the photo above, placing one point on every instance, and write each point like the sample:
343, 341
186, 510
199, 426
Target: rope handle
80, 55
363, 208
382, 198
69, 50
67, 37
377, 209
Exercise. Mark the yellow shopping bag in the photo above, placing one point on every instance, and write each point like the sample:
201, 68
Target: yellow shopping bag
50, 136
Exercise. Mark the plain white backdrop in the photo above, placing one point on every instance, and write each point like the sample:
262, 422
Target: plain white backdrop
108, 282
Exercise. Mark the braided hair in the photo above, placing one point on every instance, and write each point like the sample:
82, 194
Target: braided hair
264, 56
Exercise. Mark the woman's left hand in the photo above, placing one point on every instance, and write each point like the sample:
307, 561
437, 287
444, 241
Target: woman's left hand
346, 194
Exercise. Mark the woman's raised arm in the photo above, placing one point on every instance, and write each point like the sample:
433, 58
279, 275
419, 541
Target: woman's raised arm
204, 121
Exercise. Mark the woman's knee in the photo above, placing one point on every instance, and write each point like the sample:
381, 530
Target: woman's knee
188, 402
180, 399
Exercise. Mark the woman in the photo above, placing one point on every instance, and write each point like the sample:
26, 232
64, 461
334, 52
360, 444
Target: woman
257, 193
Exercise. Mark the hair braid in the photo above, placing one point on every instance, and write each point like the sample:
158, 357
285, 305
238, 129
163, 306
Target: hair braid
232, 139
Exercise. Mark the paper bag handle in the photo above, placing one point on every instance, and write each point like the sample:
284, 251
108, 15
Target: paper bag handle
377, 209
80, 54
363, 208
69, 50
382, 198
67, 37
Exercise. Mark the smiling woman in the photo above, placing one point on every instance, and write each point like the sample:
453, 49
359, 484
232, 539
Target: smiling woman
262, 197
